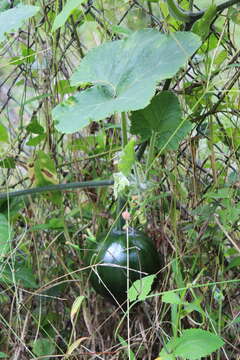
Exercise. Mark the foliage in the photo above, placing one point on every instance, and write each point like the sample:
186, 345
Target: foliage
192, 344
106, 102
123, 85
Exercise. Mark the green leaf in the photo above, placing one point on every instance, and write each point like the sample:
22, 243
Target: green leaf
125, 346
159, 116
5, 236
234, 263
225, 193
127, 158
235, 15
120, 183
141, 288
12, 19
202, 26
34, 127
76, 307
34, 141
3, 355
8, 163
43, 347
162, 116
43, 172
23, 276
124, 74
121, 30
3, 134
192, 344
171, 298
67, 10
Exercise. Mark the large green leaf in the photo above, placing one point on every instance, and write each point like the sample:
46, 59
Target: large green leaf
192, 344
124, 74
12, 19
163, 115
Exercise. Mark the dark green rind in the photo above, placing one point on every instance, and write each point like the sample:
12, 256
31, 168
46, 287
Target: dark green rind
111, 250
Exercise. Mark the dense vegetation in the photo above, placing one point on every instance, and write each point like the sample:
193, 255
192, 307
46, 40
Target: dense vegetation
119, 114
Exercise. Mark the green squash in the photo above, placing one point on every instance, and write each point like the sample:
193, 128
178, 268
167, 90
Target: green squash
111, 281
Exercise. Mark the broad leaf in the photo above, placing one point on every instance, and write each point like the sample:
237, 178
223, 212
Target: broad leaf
192, 344
127, 158
67, 10
12, 19
163, 115
124, 74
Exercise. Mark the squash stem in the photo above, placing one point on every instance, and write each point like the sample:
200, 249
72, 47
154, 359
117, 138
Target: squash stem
124, 129
151, 152
121, 203
128, 304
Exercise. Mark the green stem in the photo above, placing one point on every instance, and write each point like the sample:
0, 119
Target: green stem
151, 151
121, 204
180, 14
190, 17
58, 187
124, 129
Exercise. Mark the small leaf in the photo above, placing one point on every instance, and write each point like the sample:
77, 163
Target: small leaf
5, 236
44, 170
67, 10
75, 345
120, 183
34, 127
234, 263
125, 345
3, 134
8, 163
127, 158
141, 288
3, 355
76, 306
43, 347
202, 26
34, 141
171, 298
193, 344
235, 16
12, 19
23, 276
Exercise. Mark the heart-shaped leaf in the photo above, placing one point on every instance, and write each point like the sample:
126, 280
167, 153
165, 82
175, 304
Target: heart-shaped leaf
124, 74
